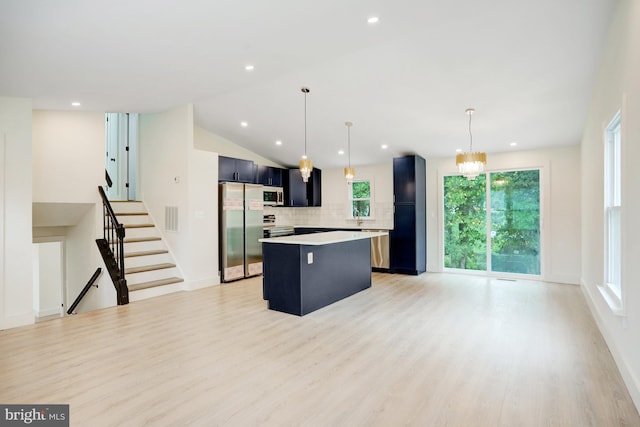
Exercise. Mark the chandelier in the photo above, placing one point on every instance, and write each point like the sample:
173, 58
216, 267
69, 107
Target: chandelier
349, 172
471, 164
306, 165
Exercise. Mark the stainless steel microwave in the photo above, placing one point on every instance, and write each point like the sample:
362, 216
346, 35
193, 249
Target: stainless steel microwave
273, 196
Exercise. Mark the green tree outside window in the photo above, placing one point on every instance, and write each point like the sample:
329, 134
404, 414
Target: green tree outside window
361, 199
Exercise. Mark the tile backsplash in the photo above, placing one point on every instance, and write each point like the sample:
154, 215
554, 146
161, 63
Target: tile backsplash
332, 215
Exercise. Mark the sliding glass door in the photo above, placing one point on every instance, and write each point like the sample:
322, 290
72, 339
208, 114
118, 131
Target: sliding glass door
505, 239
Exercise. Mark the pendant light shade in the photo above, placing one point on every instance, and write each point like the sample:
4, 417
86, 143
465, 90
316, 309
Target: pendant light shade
349, 172
306, 165
471, 164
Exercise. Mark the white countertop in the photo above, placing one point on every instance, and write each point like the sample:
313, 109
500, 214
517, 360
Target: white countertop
326, 238
363, 226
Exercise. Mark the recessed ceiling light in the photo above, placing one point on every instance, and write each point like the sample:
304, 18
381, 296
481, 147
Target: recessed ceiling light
278, 142
373, 20
341, 152
244, 124
75, 104
249, 67
513, 144
458, 150
384, 146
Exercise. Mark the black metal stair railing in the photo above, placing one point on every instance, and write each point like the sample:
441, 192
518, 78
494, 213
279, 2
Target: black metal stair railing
111, 248
84, 290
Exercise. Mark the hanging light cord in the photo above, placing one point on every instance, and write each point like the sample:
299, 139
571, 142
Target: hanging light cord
349, 143
305, 122
470, 135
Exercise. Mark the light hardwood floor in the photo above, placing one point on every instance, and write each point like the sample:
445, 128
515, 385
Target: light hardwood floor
432, 350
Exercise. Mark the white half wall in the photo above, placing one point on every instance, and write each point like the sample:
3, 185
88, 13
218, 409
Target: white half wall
617, 89
560, 203
16, 251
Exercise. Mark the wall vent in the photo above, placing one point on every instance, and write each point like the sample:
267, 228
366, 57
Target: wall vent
171, 218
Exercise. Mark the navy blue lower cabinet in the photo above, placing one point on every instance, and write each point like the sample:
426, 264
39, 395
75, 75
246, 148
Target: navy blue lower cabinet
293, 285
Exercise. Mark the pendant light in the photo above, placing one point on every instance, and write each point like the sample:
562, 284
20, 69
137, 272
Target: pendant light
471, 164
306, 165
349, 172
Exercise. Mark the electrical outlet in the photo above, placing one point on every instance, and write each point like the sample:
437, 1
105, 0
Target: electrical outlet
310, 258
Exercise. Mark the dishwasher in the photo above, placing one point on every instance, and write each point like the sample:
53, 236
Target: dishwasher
380, 250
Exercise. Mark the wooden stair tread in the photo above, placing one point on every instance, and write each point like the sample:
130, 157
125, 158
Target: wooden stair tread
138, 226
130, 213
144, 268
154, 283
125, 201
145, 253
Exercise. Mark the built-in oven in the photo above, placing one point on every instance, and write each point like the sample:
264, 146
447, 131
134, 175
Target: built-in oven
273, 196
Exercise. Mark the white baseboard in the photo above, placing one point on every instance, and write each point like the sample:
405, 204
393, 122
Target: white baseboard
18, 320
559, 278
630, 380
49, 312
193, 285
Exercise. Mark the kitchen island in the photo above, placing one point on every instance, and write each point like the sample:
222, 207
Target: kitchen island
303, 273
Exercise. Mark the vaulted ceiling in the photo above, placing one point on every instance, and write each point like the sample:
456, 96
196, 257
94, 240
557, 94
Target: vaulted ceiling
527, 67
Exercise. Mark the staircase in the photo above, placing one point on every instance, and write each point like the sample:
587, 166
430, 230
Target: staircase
149, 267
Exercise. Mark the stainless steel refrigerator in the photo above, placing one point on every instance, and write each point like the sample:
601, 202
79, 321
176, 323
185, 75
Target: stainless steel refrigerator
241, 209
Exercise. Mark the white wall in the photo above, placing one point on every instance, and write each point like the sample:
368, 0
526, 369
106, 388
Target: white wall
617, 88
560, 200
16, 251
207, 141
82, 259
203, 219
68, 156
69, 164
174, 173
49, 280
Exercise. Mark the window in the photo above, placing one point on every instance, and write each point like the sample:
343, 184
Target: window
613, 215
360, 195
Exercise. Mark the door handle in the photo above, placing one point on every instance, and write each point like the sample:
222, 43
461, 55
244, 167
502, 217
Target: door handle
113, 160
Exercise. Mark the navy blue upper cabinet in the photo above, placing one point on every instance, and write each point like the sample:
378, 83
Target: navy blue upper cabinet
270, 176
408, 247
298, 193
235, 170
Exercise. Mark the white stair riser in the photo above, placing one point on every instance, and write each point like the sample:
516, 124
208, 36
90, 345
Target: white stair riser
154, 292
139, 261
141, 232
128, 207
148, 276
144, 246
134, 219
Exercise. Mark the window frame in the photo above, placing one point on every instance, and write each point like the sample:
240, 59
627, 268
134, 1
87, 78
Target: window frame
612, 289
351, 199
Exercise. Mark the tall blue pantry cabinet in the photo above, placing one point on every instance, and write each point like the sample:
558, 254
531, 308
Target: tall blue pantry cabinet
408, 244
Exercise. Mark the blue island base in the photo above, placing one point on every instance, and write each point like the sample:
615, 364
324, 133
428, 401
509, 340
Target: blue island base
296, 283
